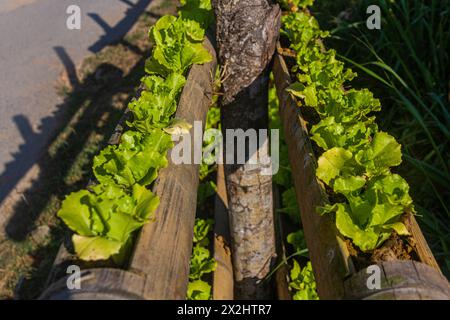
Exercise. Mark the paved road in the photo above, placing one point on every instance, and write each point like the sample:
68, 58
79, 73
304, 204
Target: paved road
35, 46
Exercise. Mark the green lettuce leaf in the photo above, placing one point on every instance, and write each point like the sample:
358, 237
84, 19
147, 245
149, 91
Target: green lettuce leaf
335, 162
329, 134
201, 263
176, 47
382, 153
370, 217
365, 239
199, 11
95, 248
308, 93
389, 196
158, 103
136, 159
303, 282
201, 229
348, 184
106, 217
198, 290
75, 212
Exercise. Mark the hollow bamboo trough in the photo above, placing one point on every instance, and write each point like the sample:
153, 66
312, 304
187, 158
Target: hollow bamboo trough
334, 269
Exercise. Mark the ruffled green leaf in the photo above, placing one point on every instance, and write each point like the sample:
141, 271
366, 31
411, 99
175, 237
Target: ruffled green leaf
106, 217
198, 290
201, 229
157, 104
201, 263
176, 46
76, 214
303, 282
365, 239
333, 163
382, 153
349, 184
136, 159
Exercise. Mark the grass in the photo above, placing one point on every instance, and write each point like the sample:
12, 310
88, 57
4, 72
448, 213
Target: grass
407, 65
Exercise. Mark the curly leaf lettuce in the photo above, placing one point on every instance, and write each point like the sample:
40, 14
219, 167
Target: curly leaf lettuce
303, 282
382, 153
333, 163
198, 290
104, 218
357, 158
136, 159
201, 262
201, 229
370, 217
199, 11
157, 104
176, 46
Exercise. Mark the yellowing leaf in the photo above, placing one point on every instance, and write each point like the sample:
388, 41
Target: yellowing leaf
399, 227
95, 248
331, 163
178, 127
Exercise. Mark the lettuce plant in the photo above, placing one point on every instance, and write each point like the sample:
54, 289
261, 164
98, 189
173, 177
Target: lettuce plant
104, 217
157, 103
201, 262
303, 282
136, 159
357, 158
178, 45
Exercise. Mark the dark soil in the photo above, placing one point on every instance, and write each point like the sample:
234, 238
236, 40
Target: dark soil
395, 248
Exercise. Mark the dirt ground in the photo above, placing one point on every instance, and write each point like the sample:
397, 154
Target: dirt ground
95, 96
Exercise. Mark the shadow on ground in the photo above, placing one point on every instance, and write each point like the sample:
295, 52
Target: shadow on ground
17, 168
91, 109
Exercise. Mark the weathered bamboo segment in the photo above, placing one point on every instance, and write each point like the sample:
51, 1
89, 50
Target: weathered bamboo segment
325, 251
223, 275
399, 280
159, 266
164, 247
329, 255
421, 245
282, 274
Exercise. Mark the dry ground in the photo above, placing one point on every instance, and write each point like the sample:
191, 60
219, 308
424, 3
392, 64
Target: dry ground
94, 100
